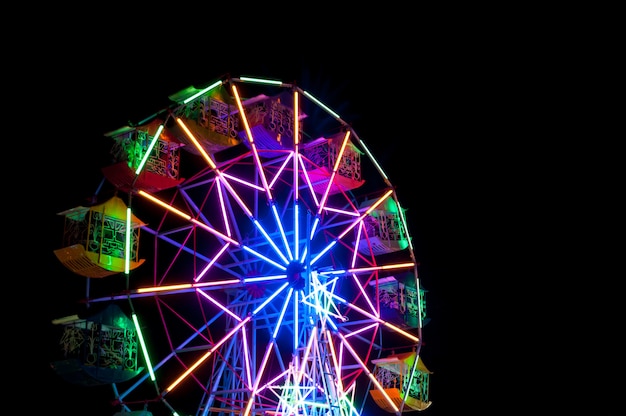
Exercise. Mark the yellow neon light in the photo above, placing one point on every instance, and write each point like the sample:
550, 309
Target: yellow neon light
386, 267
196, 143
164, 205
186, 286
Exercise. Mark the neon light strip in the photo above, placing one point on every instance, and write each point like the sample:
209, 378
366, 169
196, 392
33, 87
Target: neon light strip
268, 385
269, 240
264, 278
212, 262
303, 256
207, 89
368, 269
373, 160
196, 143
220, 194
358, 331
331, 112
321, 253
259, 255
146, 156
296, 230
279, 321
165, 205
282, 231
249, 184
341, 211
384, 267
219, 305
269, 299
270, 346
282, 167
260, 81
246, 353
316, 221
129, 231
296, 175
357, 242
66, 319
172, 288
236, 196
296, 321
144, 349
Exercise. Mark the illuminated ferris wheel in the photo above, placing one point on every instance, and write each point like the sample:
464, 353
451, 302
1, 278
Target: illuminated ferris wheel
268, 262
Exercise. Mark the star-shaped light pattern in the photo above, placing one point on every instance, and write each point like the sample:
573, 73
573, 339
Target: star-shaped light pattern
268, 278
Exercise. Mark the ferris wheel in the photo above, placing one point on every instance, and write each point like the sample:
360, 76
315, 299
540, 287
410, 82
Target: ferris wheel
268, 264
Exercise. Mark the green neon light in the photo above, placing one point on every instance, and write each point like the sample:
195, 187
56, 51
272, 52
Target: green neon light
207, 89
321, 104
143, 347
369, 154
261, 81
147, 154
129, 231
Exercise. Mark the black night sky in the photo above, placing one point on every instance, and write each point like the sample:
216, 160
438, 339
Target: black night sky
432, 107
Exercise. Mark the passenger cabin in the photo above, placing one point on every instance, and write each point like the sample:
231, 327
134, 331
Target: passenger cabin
161, 167
405, 382
94, 239
400, 301
211, 118
321, 155
384, 231
100, 349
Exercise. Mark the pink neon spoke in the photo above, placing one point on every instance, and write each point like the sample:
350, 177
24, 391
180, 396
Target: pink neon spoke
219, 305
211, 263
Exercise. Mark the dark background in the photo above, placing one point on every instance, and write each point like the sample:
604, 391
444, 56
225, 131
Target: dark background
453, 109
